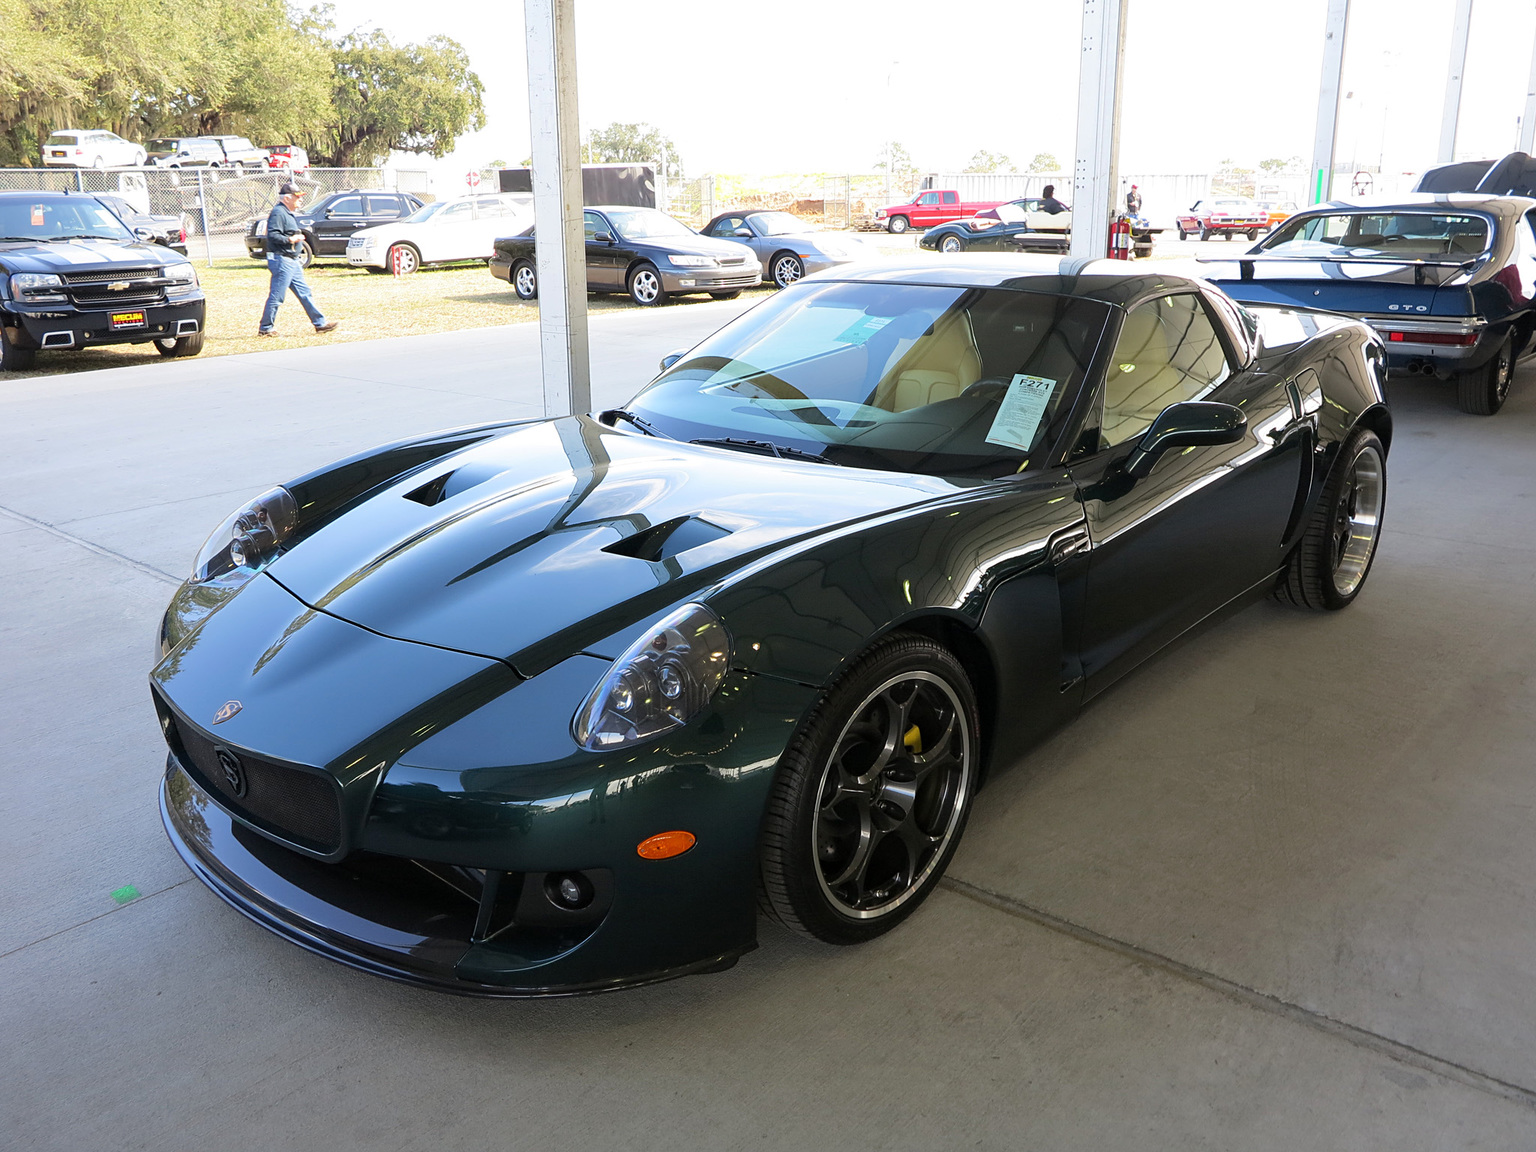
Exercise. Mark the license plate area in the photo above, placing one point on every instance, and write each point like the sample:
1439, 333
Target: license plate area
126, 321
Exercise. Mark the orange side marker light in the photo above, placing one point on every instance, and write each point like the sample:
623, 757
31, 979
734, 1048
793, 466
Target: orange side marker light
665, 844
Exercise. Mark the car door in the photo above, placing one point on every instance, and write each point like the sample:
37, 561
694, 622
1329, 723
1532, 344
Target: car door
1209, 523
605, 270
926, 209
949, 206
336, 222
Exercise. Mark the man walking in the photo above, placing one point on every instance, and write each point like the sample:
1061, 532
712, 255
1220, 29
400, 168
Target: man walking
283, 237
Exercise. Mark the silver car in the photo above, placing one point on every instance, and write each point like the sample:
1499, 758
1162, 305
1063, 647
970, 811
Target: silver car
788, 247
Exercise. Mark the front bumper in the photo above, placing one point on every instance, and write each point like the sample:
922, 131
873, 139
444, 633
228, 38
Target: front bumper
376, 256
63, 326
711, 279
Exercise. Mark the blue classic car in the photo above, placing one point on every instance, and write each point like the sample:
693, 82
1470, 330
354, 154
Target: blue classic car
1447, 280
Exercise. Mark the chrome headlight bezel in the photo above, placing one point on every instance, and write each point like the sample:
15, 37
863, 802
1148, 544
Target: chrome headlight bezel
33, 288
182, 277
249, 539
661, 682
680, 260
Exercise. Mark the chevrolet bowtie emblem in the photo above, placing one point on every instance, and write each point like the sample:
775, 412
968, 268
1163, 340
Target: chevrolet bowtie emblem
229, 709
117, 286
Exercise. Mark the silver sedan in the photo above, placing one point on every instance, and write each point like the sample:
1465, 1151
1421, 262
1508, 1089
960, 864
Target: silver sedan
788, 247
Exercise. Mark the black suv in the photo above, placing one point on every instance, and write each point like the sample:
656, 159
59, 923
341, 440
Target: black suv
329, 222
73, 276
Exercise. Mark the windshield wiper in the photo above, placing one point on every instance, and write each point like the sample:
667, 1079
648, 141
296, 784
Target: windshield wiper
19, 239
613, 414
83, 236
766, 447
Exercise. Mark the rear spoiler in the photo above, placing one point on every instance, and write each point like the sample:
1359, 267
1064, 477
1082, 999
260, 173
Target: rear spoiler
1514, 175
1246, 263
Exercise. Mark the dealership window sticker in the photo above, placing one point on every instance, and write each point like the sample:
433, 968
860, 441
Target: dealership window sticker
1019, 415
862, 329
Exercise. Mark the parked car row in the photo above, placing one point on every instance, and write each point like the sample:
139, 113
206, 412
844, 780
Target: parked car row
97, 148
330, 222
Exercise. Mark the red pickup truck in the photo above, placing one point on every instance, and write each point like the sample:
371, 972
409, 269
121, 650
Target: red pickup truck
929, 207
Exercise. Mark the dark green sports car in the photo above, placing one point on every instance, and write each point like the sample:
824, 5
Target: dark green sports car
564, 705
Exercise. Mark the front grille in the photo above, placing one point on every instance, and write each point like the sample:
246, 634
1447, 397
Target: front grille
728, 261
302, 806
118, 299
735, 282
73, 278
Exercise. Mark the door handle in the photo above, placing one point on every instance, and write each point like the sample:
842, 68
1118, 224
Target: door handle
1069, 542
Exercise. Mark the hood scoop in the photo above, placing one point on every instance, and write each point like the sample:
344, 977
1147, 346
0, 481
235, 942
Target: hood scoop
667, 539
451, 483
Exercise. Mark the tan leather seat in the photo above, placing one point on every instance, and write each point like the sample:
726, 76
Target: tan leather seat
1138, 377
940, 366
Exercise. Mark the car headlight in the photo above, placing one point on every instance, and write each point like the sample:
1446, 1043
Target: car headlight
182, 277
693, 261
248, 540
663, 681
37, 283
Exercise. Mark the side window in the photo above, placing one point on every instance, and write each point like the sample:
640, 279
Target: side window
928, 198
951, 198
347, 206
455, 212
384, 207
1168, 351
593, 223
728, 226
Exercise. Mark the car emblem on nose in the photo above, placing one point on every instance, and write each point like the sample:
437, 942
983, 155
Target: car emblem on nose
229, 709
234, 771
117, 286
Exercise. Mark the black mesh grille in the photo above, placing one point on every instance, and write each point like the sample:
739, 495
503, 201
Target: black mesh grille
300, 806
73, 278
89, 299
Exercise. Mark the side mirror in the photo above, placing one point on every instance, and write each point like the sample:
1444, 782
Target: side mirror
670, 359
747, 232
143, 234
1184, 425
603, 237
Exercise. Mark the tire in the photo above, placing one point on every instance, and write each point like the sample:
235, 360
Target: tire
1183, 235
645, 288
524, 278
410, 259
951, 243
898, 224
1253, 233
99, 163
306, 254
1330, 564
849, 772
785, 269
14, 359
1229, 235
1482, 391
731, 295
181, 346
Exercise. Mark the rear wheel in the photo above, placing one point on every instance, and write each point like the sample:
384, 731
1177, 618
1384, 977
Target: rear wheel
1482, 391
525, 281
304, 252
898, 224
872, 794
645, 286
1253, 233
1205, 233
1334, 557
14, 359
1183, 235
182, 346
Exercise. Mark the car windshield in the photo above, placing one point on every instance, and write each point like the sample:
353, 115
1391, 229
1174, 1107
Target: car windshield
959, 382
163, 145
646, 224
54, 219
427, 211
781, 224
1384, 235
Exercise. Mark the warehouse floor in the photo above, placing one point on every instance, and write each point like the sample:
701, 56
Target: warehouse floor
1275, 890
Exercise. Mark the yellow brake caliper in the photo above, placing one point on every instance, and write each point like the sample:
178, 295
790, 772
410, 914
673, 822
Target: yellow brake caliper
913, 740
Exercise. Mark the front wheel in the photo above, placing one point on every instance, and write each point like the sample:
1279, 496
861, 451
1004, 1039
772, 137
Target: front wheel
872, 794
184, 346
898, 224
525, 281
786, 269
1183, 235
1482, 391
304, 252
409, 258
1329, 566
951, 243
12, 358
645, 287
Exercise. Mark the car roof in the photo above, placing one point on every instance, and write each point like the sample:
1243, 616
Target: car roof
1112, 281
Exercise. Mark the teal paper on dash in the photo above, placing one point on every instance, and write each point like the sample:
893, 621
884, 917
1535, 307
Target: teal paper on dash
126, 894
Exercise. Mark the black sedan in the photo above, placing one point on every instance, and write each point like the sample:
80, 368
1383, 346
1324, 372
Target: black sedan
641, 251
558, 706
329, 222
1447, 280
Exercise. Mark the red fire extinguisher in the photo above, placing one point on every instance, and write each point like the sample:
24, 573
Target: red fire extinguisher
1120, 238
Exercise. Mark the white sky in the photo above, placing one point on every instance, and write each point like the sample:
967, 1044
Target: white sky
819, 85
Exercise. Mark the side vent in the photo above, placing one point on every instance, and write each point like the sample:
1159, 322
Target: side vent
667, 539
452, 483
431, 492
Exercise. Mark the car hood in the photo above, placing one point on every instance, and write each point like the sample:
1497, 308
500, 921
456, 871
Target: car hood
548, 539
697, 246
99, 255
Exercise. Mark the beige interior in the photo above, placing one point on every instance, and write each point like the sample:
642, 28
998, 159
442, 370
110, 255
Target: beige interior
940, 366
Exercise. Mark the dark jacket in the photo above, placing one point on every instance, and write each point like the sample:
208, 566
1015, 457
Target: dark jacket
283, 230
1050, 204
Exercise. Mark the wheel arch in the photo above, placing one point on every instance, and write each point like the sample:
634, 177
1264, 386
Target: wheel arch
958, 635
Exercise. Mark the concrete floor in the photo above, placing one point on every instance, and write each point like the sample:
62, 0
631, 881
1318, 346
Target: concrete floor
1276, 890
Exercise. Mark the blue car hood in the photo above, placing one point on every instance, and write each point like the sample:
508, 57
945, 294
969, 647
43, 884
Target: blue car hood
525, 547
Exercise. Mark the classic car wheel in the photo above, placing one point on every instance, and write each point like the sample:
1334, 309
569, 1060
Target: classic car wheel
1482, 391
1334, 557
184, 346
951, 243
787, 269
645, 286
525, 281
872, 794
1183, 235
898, 224
410, 259
14, 359
1205, 233
1253, 233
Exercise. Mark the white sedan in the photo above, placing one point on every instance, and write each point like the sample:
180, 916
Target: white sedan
90, 148
464, 228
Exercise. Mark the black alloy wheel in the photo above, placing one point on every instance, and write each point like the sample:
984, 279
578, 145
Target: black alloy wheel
1482, 391
1330, 564
785, 269
180, 346
645, 286
872, 794
525, 280
898, 224
12, 358
951, 243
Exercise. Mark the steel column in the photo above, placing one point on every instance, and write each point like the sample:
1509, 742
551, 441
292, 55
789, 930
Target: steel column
557, 204
1095, 179
1451, 112
1528, 121
1323, 140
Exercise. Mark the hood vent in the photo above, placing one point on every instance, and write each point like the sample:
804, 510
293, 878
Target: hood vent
450, 484
667, 539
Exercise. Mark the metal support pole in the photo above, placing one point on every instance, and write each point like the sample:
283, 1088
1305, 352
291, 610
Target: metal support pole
1323, 141
1095, 181
1528, 121
1451, 112
202, 208
557, 204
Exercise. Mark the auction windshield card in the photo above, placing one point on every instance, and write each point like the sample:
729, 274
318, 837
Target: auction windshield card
862, 329
1018, 416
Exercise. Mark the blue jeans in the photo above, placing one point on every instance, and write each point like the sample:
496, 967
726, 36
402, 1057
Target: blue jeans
288, 272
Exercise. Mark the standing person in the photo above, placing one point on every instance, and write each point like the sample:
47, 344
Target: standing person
283, 235
1133, 201
1049, 203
